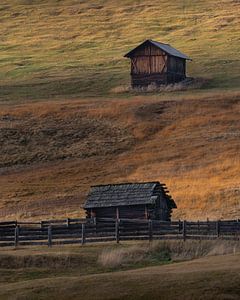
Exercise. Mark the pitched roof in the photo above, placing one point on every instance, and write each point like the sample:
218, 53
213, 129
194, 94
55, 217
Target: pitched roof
123, 194
165, 47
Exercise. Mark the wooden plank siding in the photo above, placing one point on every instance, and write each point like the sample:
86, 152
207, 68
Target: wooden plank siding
136, 212
162, 212
149, 65
149, 60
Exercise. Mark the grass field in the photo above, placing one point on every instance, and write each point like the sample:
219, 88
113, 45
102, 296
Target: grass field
76, 273
72, 52
58, 49
64, 126
52, 152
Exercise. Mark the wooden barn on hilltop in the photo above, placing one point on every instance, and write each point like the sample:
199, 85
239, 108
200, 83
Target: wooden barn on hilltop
148, 200
158, 63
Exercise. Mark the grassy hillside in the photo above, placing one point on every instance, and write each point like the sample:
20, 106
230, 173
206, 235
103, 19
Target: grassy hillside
52, 152
69, 48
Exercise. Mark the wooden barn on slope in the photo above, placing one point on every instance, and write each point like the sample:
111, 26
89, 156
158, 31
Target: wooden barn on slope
158, 63
148, 200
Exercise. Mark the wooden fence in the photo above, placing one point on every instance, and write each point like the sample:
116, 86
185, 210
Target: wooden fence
81, 231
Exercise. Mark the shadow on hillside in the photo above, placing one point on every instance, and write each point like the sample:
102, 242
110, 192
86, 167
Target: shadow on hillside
57, 88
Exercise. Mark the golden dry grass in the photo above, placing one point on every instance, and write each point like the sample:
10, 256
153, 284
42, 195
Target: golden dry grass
66, 48
165, 251
190, 143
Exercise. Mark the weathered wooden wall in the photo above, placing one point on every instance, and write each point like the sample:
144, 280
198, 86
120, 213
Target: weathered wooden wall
134, 212
152, 65
176, 69
159, 212
149, 60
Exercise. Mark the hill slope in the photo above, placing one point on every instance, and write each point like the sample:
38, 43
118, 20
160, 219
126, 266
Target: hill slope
52, 152
206, 278
68, 47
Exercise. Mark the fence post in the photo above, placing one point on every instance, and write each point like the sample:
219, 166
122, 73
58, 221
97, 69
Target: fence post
49, 236
179, 226
16, 236
184, 230
150, 227
208, 228
238, 232
218, 228
117, 230
67, 222
95, 224
83, 234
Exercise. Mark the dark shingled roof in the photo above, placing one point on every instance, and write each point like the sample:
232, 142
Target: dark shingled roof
123, 194
165, 47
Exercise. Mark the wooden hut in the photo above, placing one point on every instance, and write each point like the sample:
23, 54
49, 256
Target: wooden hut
148, 200
158, 63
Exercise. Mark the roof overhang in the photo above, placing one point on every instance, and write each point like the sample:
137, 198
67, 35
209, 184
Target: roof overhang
126, 202
164, 47
126, 194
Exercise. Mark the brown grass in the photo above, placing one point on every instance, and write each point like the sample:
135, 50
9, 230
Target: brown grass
165, 251
52, 152
185, 85
115, 258
212, 277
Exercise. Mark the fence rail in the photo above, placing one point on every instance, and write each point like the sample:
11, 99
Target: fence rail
81, 231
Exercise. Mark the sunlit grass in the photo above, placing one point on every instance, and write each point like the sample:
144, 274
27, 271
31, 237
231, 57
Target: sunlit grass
79, 46
53, 151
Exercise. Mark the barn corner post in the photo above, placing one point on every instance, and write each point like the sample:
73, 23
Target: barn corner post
117, 233
150, 230
117, 213
146, 212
